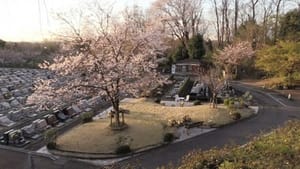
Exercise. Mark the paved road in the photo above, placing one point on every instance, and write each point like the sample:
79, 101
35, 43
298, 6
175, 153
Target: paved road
274, 111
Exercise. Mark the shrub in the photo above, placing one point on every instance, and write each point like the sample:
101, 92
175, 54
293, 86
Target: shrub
50, 134
124, 149
157, 100
197, 102
172, 123
169, 137
87, 117
186, 87
226, 102
236, 116
186, 119
229, 103
51, 145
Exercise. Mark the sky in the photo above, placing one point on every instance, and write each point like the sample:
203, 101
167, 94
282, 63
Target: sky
32, 20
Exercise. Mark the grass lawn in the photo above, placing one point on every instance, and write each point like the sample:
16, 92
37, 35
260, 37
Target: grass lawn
219, 116
96, 137
147, 125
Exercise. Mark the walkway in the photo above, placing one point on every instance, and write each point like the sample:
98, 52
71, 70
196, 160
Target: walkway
274, 111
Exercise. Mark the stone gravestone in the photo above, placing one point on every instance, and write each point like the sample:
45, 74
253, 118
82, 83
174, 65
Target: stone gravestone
51, 120
5, 121
4, 106
15, 103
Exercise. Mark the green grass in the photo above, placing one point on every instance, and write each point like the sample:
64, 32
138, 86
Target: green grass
147, 125
279, 149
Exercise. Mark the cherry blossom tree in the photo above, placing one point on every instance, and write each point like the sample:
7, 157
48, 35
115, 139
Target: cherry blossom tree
233, 55
113, 59
212, 77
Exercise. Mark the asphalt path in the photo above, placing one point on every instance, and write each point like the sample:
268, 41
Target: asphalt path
275, 110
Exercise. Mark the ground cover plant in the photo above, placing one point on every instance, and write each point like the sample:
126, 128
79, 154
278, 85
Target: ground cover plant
279, 149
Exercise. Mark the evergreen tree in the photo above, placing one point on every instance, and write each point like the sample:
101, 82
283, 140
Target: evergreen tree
196, 47
180, 53
2, 43
290, 26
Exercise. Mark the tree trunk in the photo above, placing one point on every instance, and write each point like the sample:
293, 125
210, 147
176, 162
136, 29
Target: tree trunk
236, 71
117, 119
276, 20
123, 119
117, 113
111, 117
236, 15
227, 28
222, 26
214, 100
218, 23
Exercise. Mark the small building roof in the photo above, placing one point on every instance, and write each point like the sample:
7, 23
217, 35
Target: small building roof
188, 62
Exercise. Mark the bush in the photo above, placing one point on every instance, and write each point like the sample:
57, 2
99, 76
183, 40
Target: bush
51, 145
87, 117
186, 119
172, 123
157, 100
124, 149
229, 103
236, 116
169, 137
197, 102
226, 102
50, 134
186, 87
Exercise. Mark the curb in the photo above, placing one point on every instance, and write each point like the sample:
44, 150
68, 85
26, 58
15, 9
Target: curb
103, 156
111, 156
243, 119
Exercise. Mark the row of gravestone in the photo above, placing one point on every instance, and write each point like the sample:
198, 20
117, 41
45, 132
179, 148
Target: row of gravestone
22, 136
16, 85
20, 76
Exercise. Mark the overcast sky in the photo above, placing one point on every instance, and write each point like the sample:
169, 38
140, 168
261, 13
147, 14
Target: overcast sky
32, 20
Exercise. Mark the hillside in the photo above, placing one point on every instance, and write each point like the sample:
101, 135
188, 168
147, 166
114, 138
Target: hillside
278, 149
26, 54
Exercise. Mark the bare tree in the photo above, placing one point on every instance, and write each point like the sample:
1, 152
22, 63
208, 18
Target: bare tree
277, 4
236, 15
217, 22
267, 13
226, 18
196, 14
253, 4
213, 78
222, 21
181, 17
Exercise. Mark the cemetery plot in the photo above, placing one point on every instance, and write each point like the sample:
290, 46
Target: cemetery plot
22, 124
